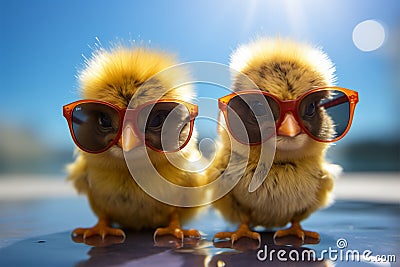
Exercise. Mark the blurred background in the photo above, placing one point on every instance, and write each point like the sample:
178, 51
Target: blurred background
44, 43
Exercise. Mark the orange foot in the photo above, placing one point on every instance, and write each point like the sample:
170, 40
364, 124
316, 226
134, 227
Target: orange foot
174, 228
176, 231
242, 231
101, 228
296, 230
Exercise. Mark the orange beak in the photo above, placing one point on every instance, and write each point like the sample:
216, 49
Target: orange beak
289, 126
128, 140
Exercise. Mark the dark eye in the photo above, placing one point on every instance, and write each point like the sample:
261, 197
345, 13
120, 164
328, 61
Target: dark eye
156, 120
258, 108
104, 121
310, 109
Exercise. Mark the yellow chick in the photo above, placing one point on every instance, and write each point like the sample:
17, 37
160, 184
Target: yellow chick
299, 181
117, 79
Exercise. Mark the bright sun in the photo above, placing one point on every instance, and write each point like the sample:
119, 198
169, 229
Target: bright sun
368, 35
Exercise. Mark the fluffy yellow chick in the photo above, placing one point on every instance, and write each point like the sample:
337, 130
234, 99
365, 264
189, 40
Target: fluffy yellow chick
299, 181
114, 196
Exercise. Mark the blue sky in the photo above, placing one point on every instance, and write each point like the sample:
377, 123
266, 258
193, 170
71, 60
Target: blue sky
42, 43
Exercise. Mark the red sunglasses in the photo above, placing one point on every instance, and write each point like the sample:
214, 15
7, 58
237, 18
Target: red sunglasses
325, 114
95, 125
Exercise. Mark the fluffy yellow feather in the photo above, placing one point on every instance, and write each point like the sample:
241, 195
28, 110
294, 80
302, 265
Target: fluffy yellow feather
115, 76
299, 181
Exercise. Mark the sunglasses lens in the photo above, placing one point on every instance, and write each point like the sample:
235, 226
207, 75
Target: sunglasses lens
325, 114
95, 126
250, 119
166, 125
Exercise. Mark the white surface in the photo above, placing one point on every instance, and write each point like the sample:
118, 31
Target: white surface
28, 187
375, 187
380, 187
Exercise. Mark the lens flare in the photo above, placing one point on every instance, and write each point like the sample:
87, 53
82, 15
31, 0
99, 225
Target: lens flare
369, 35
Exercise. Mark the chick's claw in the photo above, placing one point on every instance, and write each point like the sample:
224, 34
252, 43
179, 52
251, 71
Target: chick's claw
296, 230
242, 231
176, 232
102, 231
191, 233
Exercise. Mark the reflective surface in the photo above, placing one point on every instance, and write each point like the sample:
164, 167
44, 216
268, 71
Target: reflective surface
362, 225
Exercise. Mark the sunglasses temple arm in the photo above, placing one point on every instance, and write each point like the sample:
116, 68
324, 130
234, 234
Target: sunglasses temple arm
335, 102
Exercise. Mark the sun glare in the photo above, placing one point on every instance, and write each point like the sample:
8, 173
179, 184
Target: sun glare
368, 35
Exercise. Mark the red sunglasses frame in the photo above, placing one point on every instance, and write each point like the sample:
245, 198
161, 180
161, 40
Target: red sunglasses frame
292, 106
133, 116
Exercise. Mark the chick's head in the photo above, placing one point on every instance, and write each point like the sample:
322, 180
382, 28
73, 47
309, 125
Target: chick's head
130, 77
287, 70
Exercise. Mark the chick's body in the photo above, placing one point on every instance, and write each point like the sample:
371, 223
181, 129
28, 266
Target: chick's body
288, 193
114, 195
119, 76
299, 181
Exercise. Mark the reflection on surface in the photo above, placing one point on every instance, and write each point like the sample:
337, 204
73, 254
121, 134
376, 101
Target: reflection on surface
195, 252
98, 241
371, 226
139, 250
